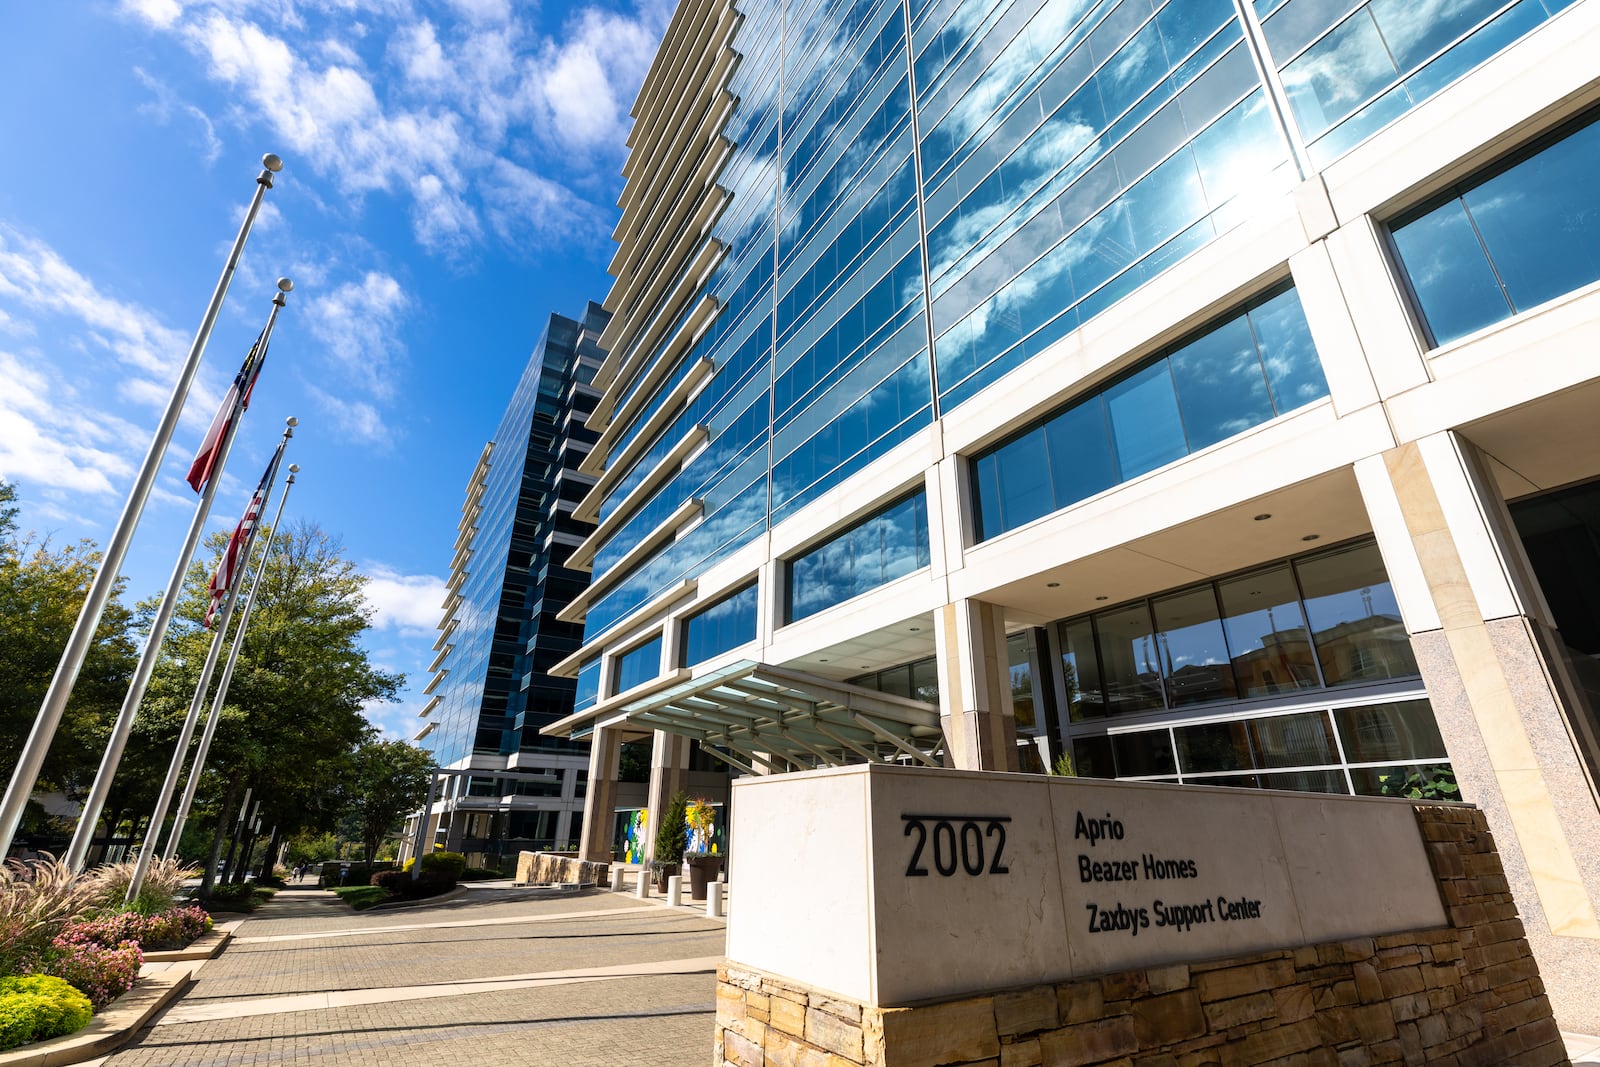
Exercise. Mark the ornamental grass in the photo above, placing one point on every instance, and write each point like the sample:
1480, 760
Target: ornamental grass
163, 881
37, 901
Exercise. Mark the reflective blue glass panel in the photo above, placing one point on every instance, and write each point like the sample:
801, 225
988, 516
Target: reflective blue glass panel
1146, 430
588, 685
727, 624
1523, 234
1450, 273
1221, 385
1237, 374
1540, 220
1351, 67
1354, 619
639, 665
887, 545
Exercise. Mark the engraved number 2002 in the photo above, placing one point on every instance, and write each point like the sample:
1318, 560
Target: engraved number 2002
958, 843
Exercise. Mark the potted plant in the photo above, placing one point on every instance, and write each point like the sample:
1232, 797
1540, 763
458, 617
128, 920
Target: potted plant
701, 859
670, 837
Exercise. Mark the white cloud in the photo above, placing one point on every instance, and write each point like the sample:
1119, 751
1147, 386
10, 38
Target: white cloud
34, 276
394, 721
483, 10
67, 392
383, 100
523, 205
166, 105
50, 441
162, 13
420, 57
587, 81
410, 603
442, 219
359, 322
354, 420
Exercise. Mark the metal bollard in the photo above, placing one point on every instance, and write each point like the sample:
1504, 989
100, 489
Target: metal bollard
643, 892
674, 891
713, 900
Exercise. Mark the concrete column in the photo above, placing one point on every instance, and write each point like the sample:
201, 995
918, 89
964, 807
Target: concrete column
1518, 730
980, 728
1386, 329
599, 804
669, 772
456, 830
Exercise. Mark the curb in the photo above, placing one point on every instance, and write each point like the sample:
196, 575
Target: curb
205, 947
111, 1028
400, 905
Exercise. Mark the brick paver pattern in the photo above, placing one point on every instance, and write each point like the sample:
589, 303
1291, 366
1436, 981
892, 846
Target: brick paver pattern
306, 942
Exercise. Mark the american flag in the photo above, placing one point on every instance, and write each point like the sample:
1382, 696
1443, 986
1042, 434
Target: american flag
233, 557
238, 399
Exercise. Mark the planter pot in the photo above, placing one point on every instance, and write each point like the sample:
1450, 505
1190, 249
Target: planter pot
702, 869
661, 872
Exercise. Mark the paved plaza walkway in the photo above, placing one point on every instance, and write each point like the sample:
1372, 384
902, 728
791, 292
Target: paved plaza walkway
580, 979
589, 979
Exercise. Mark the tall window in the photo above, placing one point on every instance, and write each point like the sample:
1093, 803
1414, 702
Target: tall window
728, 623
1350, 69
639, 665
588, 690
1505, 241
1237, 374
887, 545
1379, 749
1319, 621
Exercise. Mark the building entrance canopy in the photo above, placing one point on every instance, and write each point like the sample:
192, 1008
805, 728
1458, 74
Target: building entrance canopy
752, 716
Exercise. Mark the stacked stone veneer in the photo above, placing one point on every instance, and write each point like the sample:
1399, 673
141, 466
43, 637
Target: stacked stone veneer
549, 868
1465, 994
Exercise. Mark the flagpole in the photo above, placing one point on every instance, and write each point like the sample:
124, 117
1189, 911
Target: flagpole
78, 850
227, 678
152, 832
31, 759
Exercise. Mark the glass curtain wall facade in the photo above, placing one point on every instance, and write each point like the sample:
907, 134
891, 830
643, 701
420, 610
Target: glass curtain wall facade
500, 634
965, 342
909, 199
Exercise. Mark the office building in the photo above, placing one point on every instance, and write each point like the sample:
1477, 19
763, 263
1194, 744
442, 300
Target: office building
1201, 391
514, 788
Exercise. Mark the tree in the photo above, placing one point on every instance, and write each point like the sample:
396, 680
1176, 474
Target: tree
41, 592
8, 510
387, 780
293, 714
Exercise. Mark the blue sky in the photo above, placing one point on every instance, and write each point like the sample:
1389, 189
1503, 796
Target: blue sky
451, 173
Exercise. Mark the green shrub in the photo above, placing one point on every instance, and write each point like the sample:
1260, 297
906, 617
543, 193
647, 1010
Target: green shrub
36, 1006
354, 873
481, 874
444, 865
389, 881
673, 836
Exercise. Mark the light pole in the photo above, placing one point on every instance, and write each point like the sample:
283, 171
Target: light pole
37, 746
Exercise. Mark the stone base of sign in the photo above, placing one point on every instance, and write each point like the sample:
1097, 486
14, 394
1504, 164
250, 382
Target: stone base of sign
550, 868
1469, 993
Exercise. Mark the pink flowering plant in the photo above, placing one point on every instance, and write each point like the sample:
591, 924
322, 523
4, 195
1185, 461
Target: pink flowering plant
100, 972
173, 928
